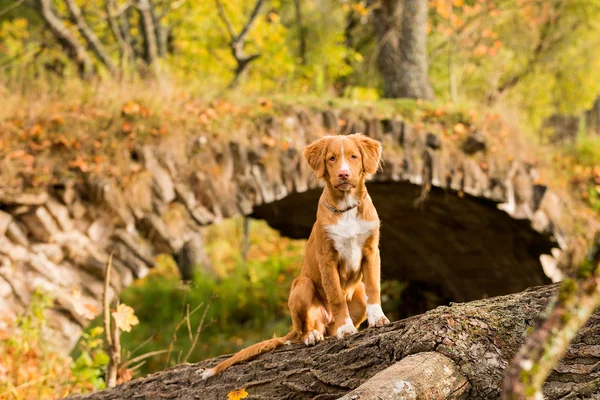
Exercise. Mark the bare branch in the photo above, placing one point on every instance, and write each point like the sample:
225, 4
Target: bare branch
11, 7
238, 41
246, 29
74, 49
124, 47
198, 331
225, 20
90, 37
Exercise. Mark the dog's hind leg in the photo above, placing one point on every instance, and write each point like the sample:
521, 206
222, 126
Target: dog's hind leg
309, 314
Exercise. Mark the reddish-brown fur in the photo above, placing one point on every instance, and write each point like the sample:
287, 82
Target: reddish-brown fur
329, 290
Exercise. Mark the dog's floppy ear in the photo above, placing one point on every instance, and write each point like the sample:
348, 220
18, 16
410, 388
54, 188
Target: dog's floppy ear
371, 150
315, 156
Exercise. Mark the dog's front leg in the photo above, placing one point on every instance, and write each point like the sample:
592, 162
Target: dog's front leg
371, 269
330, 278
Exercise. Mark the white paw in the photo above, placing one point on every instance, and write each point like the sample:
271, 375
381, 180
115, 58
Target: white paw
375, 316
207, 373
313, 337
346, 330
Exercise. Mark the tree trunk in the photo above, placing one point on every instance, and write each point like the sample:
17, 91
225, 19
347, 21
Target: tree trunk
480, 337
149, 32
76, 52
301, 31
593, 118
402, 56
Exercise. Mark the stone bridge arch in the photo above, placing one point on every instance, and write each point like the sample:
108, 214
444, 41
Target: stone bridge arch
484, 227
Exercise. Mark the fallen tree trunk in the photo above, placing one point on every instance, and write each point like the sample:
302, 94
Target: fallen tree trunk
480, 337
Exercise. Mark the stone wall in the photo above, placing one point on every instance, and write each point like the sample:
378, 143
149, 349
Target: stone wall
60, 239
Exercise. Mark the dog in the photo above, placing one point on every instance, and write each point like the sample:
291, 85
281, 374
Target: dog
339, 284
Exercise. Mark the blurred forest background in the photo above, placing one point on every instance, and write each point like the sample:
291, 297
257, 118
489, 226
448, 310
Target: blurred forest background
533, 62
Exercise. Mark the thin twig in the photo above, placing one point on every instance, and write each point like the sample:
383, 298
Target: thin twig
106, 301
139, 346
198, 331
11, 7
225, 20
242, 36
174, 339
142, 357
188, 322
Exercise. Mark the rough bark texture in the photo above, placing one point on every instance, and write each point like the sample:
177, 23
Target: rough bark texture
479, 337
458, 248
402, 56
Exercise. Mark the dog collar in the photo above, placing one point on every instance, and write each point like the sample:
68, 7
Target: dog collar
343, 210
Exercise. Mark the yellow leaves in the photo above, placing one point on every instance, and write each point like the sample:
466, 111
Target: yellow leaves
360, 8
237, 394
125, 318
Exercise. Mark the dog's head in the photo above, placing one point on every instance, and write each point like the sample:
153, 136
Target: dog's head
344, 161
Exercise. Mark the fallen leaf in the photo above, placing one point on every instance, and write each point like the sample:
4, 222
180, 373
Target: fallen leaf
237, 394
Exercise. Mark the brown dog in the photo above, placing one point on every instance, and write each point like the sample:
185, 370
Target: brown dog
338, 286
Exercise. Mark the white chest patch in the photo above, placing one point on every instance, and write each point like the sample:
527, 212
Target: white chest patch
349, 235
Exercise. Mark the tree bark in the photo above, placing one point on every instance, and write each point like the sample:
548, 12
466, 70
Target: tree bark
73, 48
402, 56
480, 337
149, 32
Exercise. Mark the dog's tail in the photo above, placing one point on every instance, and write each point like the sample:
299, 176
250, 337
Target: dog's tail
251, 351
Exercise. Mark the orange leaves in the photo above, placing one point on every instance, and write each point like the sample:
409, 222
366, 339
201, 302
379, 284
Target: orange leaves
265, 103
480, 50
124, 317
127, 127
237, 394
130, 108
79, 163
21, 156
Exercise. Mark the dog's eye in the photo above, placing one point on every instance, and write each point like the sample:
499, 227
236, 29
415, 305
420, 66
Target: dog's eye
332, 158
353, 156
